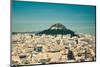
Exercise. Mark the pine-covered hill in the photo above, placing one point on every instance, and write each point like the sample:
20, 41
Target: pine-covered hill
58, 29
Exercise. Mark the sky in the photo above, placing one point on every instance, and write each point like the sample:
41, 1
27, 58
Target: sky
37, 16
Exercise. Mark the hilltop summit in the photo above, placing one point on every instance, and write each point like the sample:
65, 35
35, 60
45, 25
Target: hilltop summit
58, 26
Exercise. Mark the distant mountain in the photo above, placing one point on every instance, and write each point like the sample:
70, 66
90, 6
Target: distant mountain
56, 29
25, 32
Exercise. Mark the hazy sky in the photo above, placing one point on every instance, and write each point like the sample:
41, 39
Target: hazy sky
35, 16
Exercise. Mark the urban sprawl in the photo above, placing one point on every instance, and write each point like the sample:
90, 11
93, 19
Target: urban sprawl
47, 49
